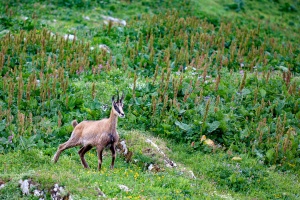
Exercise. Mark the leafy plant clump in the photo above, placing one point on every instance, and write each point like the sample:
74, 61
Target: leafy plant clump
184, 78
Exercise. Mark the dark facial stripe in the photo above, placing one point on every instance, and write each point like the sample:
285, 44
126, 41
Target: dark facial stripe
117, 108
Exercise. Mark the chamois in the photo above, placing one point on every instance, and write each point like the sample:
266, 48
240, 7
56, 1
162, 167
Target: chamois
100, 133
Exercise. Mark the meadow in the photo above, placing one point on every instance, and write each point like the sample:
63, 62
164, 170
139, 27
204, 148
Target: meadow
214, 84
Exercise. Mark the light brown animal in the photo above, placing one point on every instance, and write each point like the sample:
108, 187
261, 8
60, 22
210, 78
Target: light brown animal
100, 134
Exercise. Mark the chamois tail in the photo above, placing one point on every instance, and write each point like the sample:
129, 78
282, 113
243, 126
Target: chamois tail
74, 123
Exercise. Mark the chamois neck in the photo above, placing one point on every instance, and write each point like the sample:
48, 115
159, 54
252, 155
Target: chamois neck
113, 119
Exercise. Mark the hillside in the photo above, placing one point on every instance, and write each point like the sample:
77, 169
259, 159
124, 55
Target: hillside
212, 97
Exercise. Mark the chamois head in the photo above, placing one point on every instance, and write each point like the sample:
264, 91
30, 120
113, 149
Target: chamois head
117, 106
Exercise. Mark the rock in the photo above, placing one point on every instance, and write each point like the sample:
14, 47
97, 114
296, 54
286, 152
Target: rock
24, 185
100, 193
104, 48
2, 184
150, 167
121, 147
87, 18
59, 193
124, 147
124, 188
192, 174
154, 168
170, 163
114, 21
69, 37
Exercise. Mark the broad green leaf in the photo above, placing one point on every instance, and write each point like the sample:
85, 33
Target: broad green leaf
183, 126
244, 133
262, 93
213, 126
181, 111
2, 125
270, 154
284, 69
245, 92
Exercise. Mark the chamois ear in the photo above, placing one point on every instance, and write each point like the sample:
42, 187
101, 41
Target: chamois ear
113, 99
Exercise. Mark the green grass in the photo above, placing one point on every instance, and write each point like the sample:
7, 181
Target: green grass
46, 82
81, 183
214, 174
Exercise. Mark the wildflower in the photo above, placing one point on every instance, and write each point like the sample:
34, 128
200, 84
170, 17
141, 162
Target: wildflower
10, 138
136, 175
206, 98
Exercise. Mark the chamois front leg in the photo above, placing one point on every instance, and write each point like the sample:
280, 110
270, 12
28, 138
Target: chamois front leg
99, 152
113, 155
81, 153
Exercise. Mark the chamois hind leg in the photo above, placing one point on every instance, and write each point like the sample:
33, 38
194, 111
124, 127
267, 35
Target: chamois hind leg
99, 152
81, 153
63, 147
113, 154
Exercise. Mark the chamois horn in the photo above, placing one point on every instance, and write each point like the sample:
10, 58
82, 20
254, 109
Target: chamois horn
118, 100
122, 97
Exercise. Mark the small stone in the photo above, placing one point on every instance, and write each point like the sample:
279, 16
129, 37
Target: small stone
24, 186
124, 188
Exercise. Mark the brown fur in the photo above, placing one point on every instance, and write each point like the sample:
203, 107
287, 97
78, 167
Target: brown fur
100, 134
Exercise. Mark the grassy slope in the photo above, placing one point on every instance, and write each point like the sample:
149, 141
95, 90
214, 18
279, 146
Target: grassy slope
263, 182
175, 183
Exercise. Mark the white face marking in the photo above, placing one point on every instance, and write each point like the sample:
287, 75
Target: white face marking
118, 109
